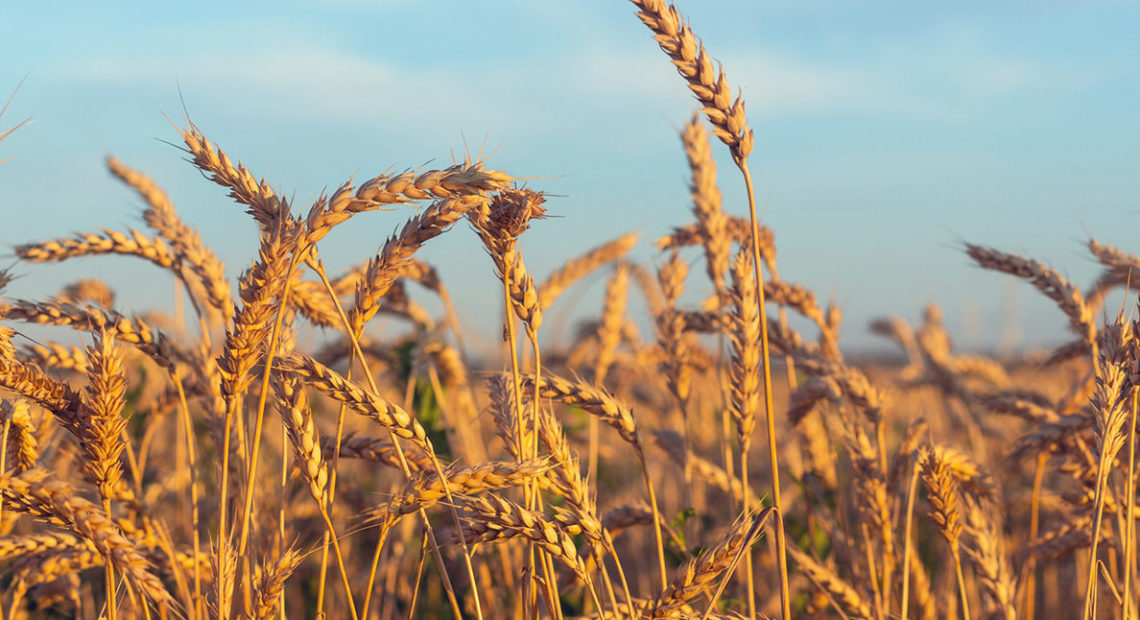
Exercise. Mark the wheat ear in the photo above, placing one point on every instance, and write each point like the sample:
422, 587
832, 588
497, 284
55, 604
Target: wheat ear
33, 492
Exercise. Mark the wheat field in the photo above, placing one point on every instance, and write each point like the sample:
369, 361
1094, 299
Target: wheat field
721, 464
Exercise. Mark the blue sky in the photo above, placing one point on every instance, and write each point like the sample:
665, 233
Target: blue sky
886, 133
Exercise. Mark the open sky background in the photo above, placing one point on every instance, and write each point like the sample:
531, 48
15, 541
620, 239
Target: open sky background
886, 134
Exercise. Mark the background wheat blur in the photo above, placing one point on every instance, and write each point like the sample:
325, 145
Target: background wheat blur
729, 461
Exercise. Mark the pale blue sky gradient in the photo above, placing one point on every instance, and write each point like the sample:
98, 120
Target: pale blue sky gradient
886, 133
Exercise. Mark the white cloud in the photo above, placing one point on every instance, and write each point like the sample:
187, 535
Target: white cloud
299, 79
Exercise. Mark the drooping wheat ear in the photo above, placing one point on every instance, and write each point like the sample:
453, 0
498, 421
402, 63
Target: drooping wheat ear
989, 556
1120, 269
298, 419
270, 577
1045, 279
461, 480
131, 243
744, 335
595, 401
612, 322
364, 402
31, 491
17, 546
53, 355
90, 318
579, 267
385, 268
23, 448
161, 216
266, 207
51, 564
712, 223
491, 518
374, 449
699, 573
693, 63
849, 600
1024, 405
103, 426
458, 180
31, 382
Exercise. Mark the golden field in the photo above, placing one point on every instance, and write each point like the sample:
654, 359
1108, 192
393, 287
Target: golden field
726, 462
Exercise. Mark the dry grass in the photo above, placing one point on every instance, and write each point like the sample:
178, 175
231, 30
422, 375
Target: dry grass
610, 478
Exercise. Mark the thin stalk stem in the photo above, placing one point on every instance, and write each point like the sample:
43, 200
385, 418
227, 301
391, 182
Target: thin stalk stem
339, 557
532, 335
281, 502
112, 611
656, 523
909, 519
332, 488
223, 494
521, 438
192, 463
381, 537
1034, 524
769, 409
1098, 509
621, 575
747, 492
885, 532
961, 584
